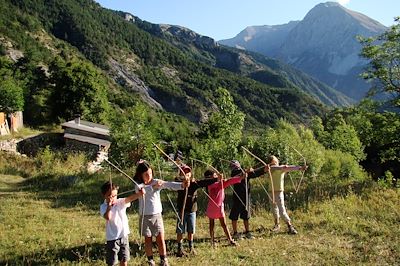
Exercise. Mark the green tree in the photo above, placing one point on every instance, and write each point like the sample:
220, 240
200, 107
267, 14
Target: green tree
11, 91
336, 134
79, 89
221, 134
132, 136
384, 67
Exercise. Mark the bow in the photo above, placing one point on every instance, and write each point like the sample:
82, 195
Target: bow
233, 190
122, 172
212, 167
137, 185
180, 169
209, 165
288, 173
269, 172
302, 174
170, 201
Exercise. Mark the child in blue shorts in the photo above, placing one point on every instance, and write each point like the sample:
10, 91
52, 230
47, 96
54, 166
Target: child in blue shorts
189, 218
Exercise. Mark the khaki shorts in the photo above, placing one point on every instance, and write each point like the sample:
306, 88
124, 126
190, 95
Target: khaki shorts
152, 225
117, 250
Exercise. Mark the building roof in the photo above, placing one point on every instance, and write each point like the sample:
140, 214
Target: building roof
88, 127
95, 141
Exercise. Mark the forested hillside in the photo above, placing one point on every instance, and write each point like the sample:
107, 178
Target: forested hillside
246, 63
133, 61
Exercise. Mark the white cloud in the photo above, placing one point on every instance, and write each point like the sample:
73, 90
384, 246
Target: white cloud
343, 2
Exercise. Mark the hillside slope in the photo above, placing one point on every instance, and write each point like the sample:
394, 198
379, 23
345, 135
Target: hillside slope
248, 64
139, 62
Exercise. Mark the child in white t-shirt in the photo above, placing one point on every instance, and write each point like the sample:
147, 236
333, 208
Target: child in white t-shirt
117, 228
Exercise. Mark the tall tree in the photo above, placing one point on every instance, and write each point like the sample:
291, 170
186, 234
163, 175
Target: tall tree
79, 89
132, 136
384, 67
11, 92
221, 134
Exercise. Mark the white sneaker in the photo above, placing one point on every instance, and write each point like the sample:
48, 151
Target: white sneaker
276, 228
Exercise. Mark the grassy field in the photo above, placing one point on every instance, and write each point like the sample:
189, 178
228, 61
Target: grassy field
54, 220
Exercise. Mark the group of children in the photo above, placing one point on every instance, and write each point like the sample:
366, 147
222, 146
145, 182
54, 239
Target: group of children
150, 207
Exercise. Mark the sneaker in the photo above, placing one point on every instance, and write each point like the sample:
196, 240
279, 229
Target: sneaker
249, 235
164, 262
237, 236
192, 251
180, 252
151, 263
276, 228
292, 230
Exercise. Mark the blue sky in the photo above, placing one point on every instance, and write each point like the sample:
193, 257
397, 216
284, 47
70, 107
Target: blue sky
222, 19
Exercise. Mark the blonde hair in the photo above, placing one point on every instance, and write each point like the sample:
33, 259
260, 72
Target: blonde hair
273, 158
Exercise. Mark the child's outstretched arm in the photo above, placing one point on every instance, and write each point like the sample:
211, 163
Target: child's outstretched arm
161, 184
234, 180
290, 168
135, 196
253, 173
204, 182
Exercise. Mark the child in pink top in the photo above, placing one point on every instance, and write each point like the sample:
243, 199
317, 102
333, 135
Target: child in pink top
215, 207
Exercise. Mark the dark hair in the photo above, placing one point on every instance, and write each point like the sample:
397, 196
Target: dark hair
178, 155
140, 169
185, 168
209, 173
107, 186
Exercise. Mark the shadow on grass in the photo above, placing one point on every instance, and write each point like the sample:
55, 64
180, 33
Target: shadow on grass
91, 253
88, 253
66, 191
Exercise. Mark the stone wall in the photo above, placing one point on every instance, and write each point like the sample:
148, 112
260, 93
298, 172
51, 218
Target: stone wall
32, 145
89, 149
9, 145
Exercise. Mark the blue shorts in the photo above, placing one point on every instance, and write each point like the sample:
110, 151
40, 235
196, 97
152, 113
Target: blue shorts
189, 223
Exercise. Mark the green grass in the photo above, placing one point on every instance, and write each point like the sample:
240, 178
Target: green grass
22, 133
42, 225
49, 215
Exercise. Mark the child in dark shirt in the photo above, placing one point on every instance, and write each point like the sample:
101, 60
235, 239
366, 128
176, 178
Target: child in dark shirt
189, 218
241, 198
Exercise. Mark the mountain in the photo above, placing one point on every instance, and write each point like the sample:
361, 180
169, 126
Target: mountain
266, 40
245, 63
139, 65
324, 44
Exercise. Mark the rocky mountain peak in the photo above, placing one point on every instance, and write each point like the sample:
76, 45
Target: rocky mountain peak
187, 35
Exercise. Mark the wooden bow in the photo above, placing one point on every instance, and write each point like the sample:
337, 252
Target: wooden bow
302, 174
170, 201
269, 172
183, 173
245, 205
122, 172
137, 185
215, 169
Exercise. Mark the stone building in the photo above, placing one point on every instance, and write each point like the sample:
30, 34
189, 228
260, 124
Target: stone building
86, 136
